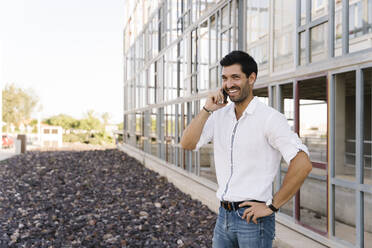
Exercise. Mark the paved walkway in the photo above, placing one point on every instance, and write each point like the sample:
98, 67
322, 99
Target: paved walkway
6, 153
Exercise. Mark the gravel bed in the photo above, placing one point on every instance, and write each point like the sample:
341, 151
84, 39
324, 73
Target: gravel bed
95, 198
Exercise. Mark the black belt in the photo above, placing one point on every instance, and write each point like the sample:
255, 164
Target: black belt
232, 206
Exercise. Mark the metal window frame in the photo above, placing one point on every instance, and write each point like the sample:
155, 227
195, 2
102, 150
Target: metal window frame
358, 185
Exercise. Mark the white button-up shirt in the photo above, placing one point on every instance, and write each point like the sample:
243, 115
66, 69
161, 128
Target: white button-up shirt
247, 151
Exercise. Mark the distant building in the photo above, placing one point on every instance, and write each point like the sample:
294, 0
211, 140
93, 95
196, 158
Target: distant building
51, 136
315, 66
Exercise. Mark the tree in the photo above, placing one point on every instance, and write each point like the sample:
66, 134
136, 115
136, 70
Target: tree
65, 121
105, 117
90, 122
18, 104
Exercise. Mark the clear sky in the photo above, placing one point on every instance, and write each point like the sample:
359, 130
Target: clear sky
70, 52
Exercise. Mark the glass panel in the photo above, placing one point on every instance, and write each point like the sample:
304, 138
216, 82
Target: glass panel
258, 33
367, 220
360, 24
284, 28
225, 17
213, 39
203, 56
303, 12
302, 49
319, 43
345, 216
194, 54
139, 130
313, 131
319, 8
151, 84
153, 133
155, 36
367, 75
182, 67
213, 78
225, 42
313, 200
287, 108
338, 27
345, 126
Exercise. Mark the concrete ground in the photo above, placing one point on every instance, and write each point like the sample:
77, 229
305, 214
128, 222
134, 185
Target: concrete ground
7, 153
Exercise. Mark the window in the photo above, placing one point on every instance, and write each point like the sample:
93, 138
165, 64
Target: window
258, 33
283, 34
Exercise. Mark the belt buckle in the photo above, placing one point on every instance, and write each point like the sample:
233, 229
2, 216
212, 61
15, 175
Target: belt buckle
229, 206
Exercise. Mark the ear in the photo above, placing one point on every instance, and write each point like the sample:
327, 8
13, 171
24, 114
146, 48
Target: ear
252, 78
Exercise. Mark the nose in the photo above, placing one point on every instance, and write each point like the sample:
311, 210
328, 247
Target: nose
228, 83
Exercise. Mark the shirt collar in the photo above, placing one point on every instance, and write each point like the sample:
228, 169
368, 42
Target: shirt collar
252, 106
249, 109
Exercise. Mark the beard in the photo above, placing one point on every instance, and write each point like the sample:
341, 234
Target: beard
244, 93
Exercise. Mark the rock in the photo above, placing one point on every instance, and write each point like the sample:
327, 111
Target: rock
95, 198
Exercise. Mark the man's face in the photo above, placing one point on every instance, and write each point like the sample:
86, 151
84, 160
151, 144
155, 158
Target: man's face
236, 83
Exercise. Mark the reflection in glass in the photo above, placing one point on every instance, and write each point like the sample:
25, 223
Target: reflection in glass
345, 126
319, 8
319, 43
302, 49
360, 24
283, 34
225, 43
153, 132
345, 216
303, 12
258, 32
338, 28
225, 17
213, 39
203, 56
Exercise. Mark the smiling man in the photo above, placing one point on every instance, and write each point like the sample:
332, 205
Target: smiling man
249, 139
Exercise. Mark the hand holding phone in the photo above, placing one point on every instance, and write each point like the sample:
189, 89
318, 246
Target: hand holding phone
224, 96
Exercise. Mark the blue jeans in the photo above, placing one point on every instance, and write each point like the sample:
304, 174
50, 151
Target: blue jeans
232, 231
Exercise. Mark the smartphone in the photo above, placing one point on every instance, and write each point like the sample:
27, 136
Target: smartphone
224, 96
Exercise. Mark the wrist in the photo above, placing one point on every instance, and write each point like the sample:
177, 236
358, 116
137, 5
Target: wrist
273, 208
207, 110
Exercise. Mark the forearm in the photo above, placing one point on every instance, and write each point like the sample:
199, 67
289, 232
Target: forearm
192, 133
299, 168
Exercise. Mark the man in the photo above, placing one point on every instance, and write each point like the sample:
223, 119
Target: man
249, 139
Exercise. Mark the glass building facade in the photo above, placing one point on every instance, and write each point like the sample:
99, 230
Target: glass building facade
315, 66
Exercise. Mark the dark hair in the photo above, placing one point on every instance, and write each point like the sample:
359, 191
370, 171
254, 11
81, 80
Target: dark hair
242, 58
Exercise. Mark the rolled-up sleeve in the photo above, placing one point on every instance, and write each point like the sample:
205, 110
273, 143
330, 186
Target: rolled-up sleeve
282, 138
207, 133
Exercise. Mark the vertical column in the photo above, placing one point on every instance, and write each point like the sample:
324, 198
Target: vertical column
147, 132
177, 136
242, 25
296, 205
280, 109
189, 153
297, 42
331, 156
331, 28
307, 32
160, 131
271, 36
345, 27
359, 161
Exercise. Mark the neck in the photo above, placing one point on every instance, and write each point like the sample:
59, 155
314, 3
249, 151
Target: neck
241, 106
